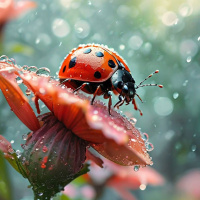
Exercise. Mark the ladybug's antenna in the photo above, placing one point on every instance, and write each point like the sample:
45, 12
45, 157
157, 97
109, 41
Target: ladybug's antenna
140, 85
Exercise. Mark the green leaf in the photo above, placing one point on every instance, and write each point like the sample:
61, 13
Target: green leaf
5, 188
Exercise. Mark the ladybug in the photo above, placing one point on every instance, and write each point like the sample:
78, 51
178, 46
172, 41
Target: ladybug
97, 70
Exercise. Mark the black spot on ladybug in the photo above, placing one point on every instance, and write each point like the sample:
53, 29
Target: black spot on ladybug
64, 68
111, 63
86, 51
99, 54
97, 74
72, 62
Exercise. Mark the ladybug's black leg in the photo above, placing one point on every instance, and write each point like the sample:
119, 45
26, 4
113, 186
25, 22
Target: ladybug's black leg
120, 102
64, 81
80, 87
95, 93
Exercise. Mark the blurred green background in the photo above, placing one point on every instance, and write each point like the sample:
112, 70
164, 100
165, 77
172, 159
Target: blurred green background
149, 35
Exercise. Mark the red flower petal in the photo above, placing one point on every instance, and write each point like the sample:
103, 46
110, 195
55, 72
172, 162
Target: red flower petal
15, 97
5, 147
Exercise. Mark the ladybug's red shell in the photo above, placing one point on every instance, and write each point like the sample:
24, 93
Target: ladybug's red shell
90, 63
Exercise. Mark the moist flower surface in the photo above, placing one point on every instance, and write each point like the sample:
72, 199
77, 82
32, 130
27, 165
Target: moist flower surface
57, 146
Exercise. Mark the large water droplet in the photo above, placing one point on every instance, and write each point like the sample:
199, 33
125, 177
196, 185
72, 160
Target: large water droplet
43, 71
32, 69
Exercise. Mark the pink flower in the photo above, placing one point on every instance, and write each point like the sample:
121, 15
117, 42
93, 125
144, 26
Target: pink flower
189, 184
55, 150
10, 9
123, 179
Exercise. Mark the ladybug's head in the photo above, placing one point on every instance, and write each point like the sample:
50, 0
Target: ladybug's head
124, 84
128, 91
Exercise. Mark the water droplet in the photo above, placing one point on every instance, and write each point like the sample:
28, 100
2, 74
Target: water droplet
40, 194
189, 58
12, 141
82, 28
32, 69
163, 106
60, 27
175, 95
44, 149
135, 42
145, 136
133, 121
193, 148
19, 80
25, 67
169, 18
28, 92
198, 38
149, 146
136, 168
185, 83
4, 58
43, 71
121, 47
143, 187
24, 137
18, 152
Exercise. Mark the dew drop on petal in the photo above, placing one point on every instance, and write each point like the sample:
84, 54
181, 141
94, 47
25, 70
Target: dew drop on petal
136, 168
133, 121
149, 146
32, 69
43, 72
28, 92
19, 80
145, 137
44, 149
24, 137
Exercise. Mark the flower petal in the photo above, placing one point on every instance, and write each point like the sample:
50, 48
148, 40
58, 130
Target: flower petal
15, 97
5, 147
132, 153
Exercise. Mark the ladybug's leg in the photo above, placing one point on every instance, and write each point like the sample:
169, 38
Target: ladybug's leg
106, 96
135, 106
64, 81
95, 94
120, 102
80, 87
